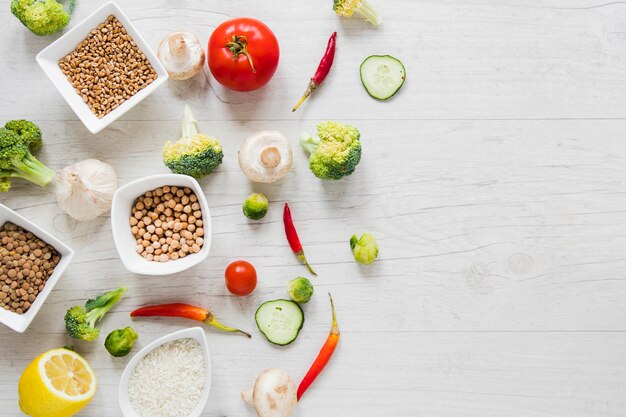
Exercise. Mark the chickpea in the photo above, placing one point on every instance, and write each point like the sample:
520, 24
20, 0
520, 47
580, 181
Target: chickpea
167, 223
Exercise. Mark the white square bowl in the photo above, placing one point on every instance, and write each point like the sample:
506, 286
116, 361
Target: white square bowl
20, 322
195, 333
48, 60
126, 244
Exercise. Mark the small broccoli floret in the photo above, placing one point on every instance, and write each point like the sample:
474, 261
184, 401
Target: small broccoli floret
120, 342
193, 154
364, 249
80, 322
77, 324
300, 290
42, 17
16, 159
255, 207
348, 7
5, 184
28, 131
335, 153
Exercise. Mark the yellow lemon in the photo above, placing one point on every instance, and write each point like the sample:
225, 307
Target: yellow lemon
58, 383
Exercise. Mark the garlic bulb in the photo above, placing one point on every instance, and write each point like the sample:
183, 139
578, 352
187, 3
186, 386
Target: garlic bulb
85, 190
181, 54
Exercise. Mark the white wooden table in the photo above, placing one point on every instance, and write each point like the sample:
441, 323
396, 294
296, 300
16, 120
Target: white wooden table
494, 182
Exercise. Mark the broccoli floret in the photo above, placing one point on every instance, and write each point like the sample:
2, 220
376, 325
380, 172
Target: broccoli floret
364, 249
255, 207
193, 154
16, 159
77, 324
80, 322
28, 131
42, 17
335, 153
300, 290
5, 184
348, 7
120, 342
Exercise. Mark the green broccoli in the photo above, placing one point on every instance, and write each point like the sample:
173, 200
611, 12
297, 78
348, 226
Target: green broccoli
28, 130
80, 322
17, 139
43, 17
362, 7
120, 342
5, 184
300, 290
364, 249
255, 207
193, 154
335, 153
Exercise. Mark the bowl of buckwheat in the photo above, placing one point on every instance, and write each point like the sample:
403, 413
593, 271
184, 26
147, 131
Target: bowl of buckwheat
102, 67
161, 224
31, 263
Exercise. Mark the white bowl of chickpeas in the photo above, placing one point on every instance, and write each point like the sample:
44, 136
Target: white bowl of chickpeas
31, 263
161, 224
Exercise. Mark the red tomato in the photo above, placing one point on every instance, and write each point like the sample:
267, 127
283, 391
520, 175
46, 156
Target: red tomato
243, 54
240, 278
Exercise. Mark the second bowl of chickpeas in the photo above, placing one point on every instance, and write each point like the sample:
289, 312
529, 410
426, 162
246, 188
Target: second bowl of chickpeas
161, 224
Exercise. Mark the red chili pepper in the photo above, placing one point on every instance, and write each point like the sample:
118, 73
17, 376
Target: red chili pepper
324, 356
322, 70
185, 311
293, 239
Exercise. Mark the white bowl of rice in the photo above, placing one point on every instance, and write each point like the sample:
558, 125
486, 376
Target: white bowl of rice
170, 377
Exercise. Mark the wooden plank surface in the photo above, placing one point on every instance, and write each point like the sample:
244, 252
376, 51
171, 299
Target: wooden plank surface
494, 182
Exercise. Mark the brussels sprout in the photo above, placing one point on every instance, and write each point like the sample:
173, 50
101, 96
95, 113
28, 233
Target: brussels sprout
255, 207
300, 290
120, 342
364, 249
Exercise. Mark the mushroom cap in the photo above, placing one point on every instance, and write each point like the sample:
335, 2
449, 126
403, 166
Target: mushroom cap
274, 394
265, 156
181, 54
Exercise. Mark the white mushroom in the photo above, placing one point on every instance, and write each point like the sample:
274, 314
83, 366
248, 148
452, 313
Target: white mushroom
181, 54
265, 156
274, 394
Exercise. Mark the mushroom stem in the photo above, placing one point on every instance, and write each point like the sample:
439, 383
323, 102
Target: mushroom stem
270, 157
178, 47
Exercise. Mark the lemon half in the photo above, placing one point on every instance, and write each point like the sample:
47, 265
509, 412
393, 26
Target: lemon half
58, 383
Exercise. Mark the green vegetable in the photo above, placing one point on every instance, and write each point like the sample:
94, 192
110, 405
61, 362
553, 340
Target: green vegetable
382, 76
336, 151
348, 7
255, 207
364, 249
300, 290
43, 17
69, 347
18, 138
80, 322
280, 321
120, 342
5, 185
193, 154
29, 131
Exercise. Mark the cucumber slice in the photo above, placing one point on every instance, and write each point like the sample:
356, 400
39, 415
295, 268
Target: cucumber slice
382, 76
280, 321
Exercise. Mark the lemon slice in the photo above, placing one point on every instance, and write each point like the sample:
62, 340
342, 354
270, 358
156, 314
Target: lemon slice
58, 383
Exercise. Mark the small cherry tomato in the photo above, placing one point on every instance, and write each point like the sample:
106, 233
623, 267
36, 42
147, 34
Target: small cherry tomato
240, 278
243, 54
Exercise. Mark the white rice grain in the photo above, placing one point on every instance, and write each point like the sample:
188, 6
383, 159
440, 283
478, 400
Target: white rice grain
168, 381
